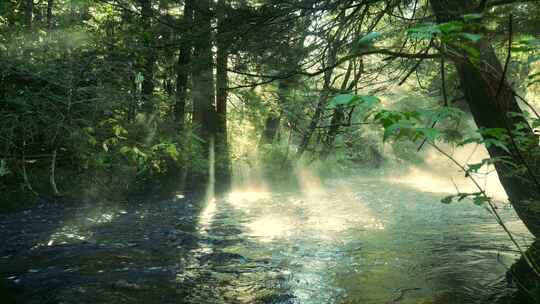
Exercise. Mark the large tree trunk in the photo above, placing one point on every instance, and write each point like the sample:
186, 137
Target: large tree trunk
149, 57
203, 96
490, 104
184, 59
223, 160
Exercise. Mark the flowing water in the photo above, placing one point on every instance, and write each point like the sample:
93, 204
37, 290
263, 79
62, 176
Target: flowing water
350, 240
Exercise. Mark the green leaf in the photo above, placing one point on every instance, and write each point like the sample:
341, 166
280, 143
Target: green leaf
447, 199
498, 133
392, 130
172, 151
471, 51
369, 38
119, 131
480, 199
348, 100
342, 100
125, 150
429, 133
474, 167
462, 196
424, 31
471, 37
369, 100
450, 27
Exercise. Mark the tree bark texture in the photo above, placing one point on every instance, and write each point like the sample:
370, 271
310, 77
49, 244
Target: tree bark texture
492, 102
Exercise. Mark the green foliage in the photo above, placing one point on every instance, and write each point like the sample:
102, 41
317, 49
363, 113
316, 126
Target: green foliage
478, 198
350, 100
411, 124
459, 33
369, 38
490, 137
277, 164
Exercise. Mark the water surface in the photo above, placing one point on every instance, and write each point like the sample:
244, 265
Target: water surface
351, 240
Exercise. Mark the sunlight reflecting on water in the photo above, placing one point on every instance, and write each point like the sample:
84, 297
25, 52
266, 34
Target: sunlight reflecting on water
207, 214
268, 228
68, 234
314, 212
248, 195
78, 228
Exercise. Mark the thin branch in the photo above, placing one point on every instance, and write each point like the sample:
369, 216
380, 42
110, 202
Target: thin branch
345, 125
526, 103
492, 207
417, 64
272, 78
445, 98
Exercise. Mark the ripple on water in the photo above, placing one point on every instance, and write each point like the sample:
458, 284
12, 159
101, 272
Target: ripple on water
349, 241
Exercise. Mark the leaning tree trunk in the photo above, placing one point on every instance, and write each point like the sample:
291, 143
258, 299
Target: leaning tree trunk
338, 116
491, 101
321, 104
203, 96
222, 156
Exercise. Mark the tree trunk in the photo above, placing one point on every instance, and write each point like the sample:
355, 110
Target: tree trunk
321, 104
338, 116
223, 161
271, 127
273, 120
28, 12
184, 59
491, 101
50, 4
203, 96
149, 57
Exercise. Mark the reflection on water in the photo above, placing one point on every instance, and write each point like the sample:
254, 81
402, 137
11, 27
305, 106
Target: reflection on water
76, 230
354, 240
366, 241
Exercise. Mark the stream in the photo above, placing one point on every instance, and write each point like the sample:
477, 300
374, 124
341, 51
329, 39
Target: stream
349, 240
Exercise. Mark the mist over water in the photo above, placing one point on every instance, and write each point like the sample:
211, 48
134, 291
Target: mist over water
376, 236
438, 174
373, 236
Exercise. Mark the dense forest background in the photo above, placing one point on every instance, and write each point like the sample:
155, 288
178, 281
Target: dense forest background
108, 99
